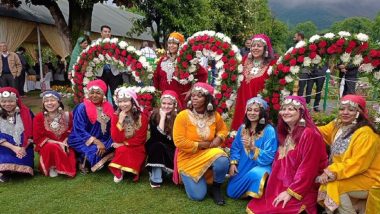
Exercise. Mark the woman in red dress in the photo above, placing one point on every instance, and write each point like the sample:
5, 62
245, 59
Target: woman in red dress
255, 70
51, 129
163, 76
129, 132
300, 158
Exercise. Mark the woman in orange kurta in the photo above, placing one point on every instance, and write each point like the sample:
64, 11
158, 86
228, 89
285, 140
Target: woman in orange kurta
51, 130
197, 133
354, 160
128, 130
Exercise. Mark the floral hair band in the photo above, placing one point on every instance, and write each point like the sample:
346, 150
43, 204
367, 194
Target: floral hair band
201, 89
8, 94
292, 102
350, 103
259, 40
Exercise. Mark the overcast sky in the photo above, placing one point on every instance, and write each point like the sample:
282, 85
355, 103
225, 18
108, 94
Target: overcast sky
293, 3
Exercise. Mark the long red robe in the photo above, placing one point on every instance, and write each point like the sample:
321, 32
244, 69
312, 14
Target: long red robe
160, 81
129, 157
51, 154
294, 173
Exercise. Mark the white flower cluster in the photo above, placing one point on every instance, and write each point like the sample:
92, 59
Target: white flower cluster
344, 34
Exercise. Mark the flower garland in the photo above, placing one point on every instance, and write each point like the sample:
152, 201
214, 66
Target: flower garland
341, 48
218, 47
118, 54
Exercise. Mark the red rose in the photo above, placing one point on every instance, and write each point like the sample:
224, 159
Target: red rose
376, 63
282, 81
322, 51
352, 44
219, 52
189, 57
211, 39
233, 77
226, 67
224, 87
286, 69
231, 53
293, 62
218, 43
192, 41
224, 59
322, 44
106, 46
225, 45
373, 53
184, 64
363, 47
224, 75
204, 38
219, 110
294, 51
207, 46
312, 55
218, 96
280, 66
138, 65
184, 48
110, 53
340, 42
300, 59
80, 62
339, 50
276, 95
348, 50
331, 49
287, 56
276, 107
214, 48
200, 47
301, 50
366, 60
313, 47
129, 58
224, 105
198, 38
275, 100
113, 46
194, 48
232, 61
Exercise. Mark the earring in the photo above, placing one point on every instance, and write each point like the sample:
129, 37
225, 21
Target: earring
45, 113
104, 98
60, 109
189, 104
262, 120
17, 109
356, 118
302, 122
210, 107
266, 54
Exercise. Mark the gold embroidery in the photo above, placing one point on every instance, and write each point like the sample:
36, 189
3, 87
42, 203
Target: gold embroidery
283, 150
250, 139
251, 71
102, 119
202, 122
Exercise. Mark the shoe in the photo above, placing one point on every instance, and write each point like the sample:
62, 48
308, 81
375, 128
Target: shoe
3, 178
53, 173
154, 184
217, 194
117, 180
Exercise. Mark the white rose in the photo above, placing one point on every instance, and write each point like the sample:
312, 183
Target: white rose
288, 79
376, 75
86, 80
150, 76
225, 116
96, 60
123, 44
240, 68
270, 70
219, 64
106, 40
191, 77
279, 61
307, 61
89, 69
329, 35
91, 63
212, 54
357, 59
97, 42
142, 59
131, 48
285, 92
220, 35
114, 40
218, 57
183, 82
205, 52
240, 78
194, 61
88, 74
227, 39
317, 59
314, 38
108, 57
294, 69
198, 54
362, 37
229, 103
344, 34
366, 67
121, 63
235, 49
138, 52
101, 57
192, 68
238, 57
345, 57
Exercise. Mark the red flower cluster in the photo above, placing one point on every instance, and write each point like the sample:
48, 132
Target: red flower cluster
145, 101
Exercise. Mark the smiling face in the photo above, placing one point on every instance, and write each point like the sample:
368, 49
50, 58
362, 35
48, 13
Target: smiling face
84, 44
257, 49
51, 104
347, 114
96, 96
8, 104
125, 104
290, 115
172, 47
167, 104
105, 33
253, 112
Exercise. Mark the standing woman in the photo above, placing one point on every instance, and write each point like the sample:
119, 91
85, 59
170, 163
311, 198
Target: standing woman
16, 150
91, 136
52, 127
80, 45
197, 133
354, 160
129, 131
300, 158
255, 71
163, 76
252, 152
160, 146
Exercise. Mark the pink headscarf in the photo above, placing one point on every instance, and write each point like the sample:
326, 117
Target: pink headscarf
266, 40
204, 86
124, 92
359, 100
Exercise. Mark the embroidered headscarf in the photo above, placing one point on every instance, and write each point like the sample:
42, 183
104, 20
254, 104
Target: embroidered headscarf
124, 92
176, 37
264, 39
355, 101
204, 87
90, 107
51, 93
173, 96
262, 103
25, 113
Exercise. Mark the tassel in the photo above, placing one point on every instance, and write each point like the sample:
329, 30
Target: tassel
262, 120
60, 109
302, 122
189, 104
17, 109
266, 54
210, 107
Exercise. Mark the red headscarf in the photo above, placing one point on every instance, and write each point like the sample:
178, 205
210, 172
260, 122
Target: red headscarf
359, 100
266, 39
91, 111
205, 86
172, 95
25, 115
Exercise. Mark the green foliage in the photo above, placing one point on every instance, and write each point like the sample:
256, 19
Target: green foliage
354, 25
376, 28
308, 28
323, 118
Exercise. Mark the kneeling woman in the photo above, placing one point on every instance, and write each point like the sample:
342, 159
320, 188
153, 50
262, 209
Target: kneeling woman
91, 137
354, 160
128, 130
16, 151
160, 146
51, 130
252, 152
197, 133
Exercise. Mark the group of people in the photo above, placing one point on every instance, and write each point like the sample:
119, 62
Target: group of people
284, 169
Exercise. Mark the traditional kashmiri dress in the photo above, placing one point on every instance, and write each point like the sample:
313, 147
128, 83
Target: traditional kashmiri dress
18, 132
163, 78
189, 129
129, 157
47, 131
160, 149
253, 84
253, 166
354, 160
294, 170
92, 122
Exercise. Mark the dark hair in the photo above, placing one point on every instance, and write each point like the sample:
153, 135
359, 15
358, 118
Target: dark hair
361, 122
85, 38
301, 34
21, 49
209, 99
259, 127
135, 113
104, 26
169, 121
60, 105
3, 112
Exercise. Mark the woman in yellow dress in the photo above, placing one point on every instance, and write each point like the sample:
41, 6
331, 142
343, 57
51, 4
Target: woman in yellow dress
354, 160
197, 133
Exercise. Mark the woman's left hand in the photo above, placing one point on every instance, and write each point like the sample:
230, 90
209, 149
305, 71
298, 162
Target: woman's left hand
284, 196
216, 142
20, 152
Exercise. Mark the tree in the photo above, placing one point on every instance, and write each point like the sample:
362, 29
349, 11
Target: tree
353, 25
308, 28
376, 28
166, 16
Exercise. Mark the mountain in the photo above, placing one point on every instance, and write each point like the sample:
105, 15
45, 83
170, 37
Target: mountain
322, 12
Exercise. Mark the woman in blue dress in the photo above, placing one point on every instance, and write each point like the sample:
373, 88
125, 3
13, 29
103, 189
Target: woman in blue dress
16, 150
252, 152
90, 137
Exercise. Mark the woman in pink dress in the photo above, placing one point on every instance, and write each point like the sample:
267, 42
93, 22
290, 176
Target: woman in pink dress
255, 70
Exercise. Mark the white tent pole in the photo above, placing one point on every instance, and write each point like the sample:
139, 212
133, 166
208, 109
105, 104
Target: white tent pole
39, 52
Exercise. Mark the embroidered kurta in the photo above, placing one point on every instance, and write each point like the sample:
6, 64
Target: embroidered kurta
295, 172
253, 166
83, 132
249, 87
193, 161
355, 162
129, 157
52, 154
163, 78
13, 133
160, 149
